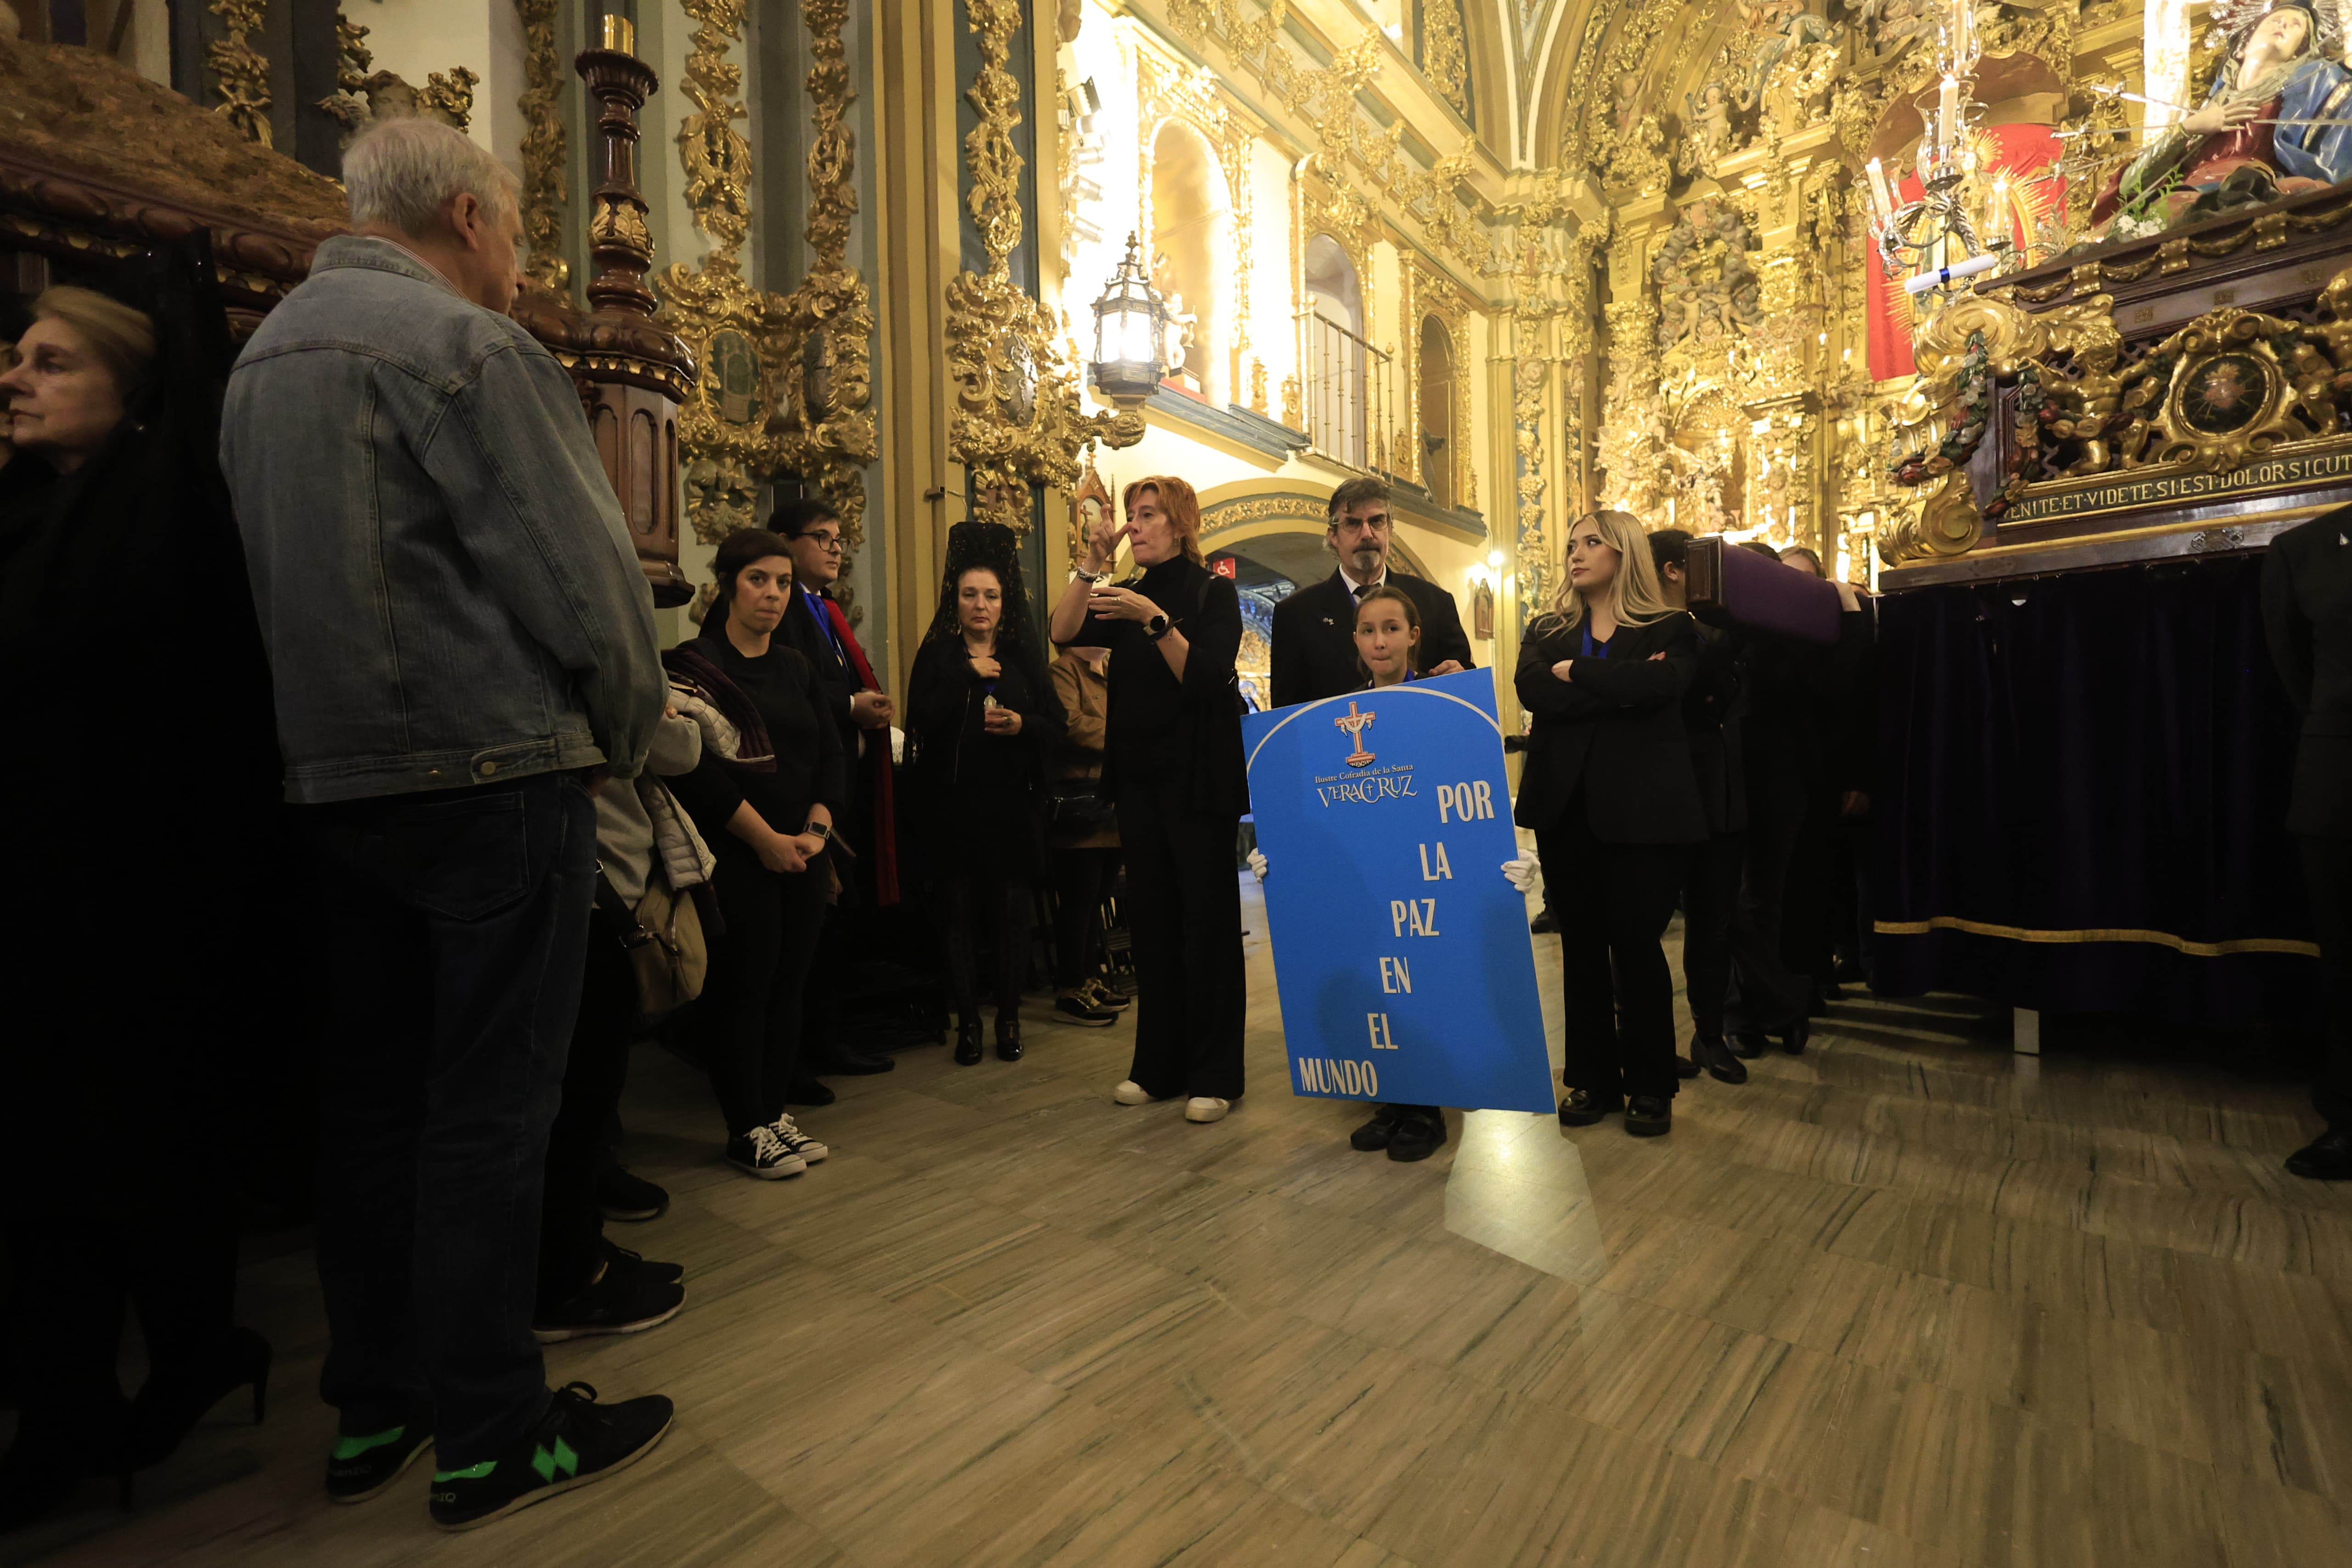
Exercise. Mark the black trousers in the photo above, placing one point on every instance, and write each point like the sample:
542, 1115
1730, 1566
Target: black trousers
1002, 904
1767, 994
1613, 901
572, 1221
1184, 914
455, 924
1081, 878
87, 1232
1710, 907
751, 1001
2327, 872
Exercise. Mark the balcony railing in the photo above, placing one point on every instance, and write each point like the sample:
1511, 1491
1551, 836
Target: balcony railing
1350, 398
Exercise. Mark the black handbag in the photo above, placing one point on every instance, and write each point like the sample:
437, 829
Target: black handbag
1077, 804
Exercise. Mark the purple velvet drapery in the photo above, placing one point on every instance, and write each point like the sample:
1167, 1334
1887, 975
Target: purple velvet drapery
2090, 755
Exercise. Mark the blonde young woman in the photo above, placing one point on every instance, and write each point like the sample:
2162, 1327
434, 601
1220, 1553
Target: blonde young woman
1611, 796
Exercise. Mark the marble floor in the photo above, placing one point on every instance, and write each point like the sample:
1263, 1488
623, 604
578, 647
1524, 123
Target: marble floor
1905, 1301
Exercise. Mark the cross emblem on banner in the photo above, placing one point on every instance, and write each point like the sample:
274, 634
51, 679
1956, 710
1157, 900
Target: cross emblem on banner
1353, 722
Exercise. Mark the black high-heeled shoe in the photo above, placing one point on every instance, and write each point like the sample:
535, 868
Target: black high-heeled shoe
967, 1049
1008, 1037
175, 1399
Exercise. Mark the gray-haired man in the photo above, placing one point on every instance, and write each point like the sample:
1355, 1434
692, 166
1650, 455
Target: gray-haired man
462, 648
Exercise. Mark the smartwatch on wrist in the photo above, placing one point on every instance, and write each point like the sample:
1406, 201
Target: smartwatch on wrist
824, 830
1156, 628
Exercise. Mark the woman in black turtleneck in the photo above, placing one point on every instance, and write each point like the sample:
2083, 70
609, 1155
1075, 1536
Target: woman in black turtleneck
1172, 763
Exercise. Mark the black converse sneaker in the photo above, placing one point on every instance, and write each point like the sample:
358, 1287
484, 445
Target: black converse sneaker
788, 1133
364, 1465
577, 1441
760, 1153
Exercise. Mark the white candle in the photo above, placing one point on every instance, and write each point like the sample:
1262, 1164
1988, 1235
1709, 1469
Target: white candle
1880, 196
1947, 115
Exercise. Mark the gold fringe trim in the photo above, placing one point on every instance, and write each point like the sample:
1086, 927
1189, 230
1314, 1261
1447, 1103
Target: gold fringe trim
2156, 938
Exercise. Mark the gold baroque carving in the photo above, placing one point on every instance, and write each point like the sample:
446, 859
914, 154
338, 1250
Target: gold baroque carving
1019, 419
240, 74
716, 159
543, 149
824, 425
734, 330
1445, 56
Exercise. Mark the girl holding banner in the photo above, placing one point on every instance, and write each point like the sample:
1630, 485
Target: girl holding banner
1388, 649
1609, 791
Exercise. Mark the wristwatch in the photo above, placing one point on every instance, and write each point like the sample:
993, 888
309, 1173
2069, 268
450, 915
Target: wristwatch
1156, 628
824, 830
1097, 578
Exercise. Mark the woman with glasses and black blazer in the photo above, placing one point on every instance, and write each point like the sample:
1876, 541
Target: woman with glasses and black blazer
1614, 804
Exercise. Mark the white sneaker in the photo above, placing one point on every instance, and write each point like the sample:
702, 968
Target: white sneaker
1130, 1093
799, 1142
760, 1153
1206, 1108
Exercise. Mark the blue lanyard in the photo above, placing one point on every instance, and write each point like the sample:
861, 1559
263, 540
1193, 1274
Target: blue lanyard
815, 604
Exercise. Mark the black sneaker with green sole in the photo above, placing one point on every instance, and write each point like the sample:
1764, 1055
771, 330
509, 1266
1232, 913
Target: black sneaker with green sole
363, 1464
577, 1441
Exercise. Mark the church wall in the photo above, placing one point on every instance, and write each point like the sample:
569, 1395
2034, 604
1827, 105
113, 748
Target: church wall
415, 38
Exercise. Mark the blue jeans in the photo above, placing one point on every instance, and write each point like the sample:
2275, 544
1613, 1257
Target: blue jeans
456, 929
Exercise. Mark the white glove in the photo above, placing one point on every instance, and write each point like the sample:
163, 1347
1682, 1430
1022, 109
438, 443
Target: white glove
1257, 864
1521, 873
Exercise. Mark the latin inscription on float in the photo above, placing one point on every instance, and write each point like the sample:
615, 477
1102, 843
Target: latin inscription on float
2269, 473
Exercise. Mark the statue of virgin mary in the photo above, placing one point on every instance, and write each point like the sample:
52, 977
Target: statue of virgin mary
2276, 121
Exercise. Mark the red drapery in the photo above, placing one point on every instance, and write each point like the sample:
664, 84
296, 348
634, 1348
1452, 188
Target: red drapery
2018, 151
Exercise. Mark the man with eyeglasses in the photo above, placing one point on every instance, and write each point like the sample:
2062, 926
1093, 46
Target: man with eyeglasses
819, 628
1315, 629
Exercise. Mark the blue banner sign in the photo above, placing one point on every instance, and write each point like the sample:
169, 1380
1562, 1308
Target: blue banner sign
1401, 952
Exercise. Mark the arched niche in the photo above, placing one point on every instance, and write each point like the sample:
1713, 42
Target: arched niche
1438, 450
1192, 258
1334, 366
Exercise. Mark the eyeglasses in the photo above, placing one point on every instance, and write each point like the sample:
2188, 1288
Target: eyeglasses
829, 542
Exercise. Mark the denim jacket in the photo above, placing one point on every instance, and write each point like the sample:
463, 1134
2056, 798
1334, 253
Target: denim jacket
446, 583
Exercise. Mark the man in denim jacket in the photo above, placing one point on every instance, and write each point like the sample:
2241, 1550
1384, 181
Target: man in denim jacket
463, 650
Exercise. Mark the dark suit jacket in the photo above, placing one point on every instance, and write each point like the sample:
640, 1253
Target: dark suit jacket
1617, 729
1713, 709
1314, 636
2307, 613
833, 671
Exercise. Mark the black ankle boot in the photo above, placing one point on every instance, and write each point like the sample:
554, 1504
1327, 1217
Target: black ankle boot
176, 1398
1008, 1036
967, 1051
1711, 1052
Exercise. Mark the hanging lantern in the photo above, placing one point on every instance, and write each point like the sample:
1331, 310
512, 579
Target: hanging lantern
1130, 334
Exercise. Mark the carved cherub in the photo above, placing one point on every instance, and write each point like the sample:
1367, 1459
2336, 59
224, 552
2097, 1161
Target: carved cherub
1706, 127
1627, 109
2335, 334
2313, 377
2094, 398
